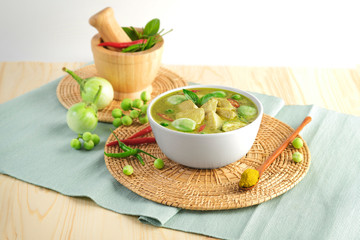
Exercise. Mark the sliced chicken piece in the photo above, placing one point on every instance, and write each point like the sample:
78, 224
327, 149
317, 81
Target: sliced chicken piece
187, 105
210, 105
224, 103
197, 114
212, 120
226, 112
229, 126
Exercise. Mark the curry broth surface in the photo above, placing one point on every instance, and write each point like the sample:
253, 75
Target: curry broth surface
161, 105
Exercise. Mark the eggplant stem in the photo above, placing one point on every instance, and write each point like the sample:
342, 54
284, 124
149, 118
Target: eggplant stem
97, 95
78, 79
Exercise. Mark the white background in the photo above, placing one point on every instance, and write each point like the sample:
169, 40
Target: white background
247, 33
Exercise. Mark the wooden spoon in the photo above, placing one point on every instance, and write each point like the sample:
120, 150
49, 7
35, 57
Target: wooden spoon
279, 150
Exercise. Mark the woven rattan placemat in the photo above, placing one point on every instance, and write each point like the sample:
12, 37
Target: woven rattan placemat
68, 90
216, 189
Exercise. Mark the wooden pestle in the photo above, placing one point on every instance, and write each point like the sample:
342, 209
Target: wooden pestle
109, 30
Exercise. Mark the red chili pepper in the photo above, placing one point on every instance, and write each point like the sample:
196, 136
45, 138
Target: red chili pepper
165, 117
123, 44
195, 91
136, 141
133, 141
141, 132
233, 102
201, 128
113, 143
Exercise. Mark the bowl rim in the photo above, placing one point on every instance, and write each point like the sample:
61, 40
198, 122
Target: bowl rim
247, 94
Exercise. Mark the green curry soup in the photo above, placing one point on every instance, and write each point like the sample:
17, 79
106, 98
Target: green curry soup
204, 110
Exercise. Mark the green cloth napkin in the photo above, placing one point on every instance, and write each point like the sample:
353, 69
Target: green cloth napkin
35, 148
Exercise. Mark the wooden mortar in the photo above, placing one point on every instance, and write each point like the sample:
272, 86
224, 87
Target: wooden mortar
129, 73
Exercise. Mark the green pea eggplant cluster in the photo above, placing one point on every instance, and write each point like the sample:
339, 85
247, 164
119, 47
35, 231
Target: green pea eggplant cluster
136, 110
96, 93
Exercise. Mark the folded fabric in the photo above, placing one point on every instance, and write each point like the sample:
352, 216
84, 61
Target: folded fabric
324, 205
35, 148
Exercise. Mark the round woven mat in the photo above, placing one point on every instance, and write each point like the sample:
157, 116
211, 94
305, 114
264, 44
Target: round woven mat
212, 189
68, 90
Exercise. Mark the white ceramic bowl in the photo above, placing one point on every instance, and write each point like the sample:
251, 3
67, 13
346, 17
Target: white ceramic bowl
206, 150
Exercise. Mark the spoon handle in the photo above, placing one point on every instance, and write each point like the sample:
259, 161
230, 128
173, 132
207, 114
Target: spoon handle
281, 148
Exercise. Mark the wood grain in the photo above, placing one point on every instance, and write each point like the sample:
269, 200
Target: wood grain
31, 212
17, 78
333, 88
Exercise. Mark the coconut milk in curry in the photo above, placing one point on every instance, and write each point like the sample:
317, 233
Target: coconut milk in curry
204, 111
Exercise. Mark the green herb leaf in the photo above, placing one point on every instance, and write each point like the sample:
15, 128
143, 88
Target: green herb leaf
150, 33
152, 27
151, 41
139, 35
217, 94
132, 48
131, 33
148, 43
191, 96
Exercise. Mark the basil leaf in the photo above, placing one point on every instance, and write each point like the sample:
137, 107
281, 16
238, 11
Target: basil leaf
191, 96
217, 94
205, 98
132, 48
139, 35
152, 27
131, 33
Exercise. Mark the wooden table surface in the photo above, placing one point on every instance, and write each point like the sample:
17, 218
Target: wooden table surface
31, 212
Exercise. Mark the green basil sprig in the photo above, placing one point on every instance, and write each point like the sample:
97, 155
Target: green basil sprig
217, 94
200, 101
132, 48
132, 33
191, 96
152, 27
151, 33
